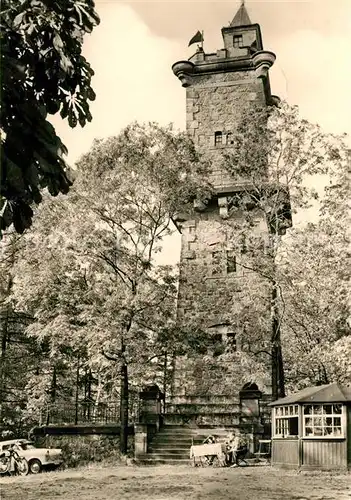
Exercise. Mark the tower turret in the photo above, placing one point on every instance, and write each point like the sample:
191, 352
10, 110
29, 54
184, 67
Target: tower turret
219, 85
243, 51
241, 35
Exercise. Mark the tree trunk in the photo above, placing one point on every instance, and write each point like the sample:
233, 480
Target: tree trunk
88, 398
172, 377
4, 338
77, 393
53, 386
124, 404
281, 379
278, 378
165, 373
89, 386
274, 369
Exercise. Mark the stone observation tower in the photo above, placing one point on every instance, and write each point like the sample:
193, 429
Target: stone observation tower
213, 274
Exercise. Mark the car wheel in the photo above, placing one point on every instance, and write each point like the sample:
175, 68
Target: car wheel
34, 466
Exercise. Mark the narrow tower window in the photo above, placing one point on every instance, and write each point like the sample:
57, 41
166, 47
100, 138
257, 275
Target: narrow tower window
231, 340
243, 243
217, 337
230, 139
238, 41
218, 138
231, 262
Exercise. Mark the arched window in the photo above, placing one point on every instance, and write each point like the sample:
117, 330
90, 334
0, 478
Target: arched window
218, 138
250, 386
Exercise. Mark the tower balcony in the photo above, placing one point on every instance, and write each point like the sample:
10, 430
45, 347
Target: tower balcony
183, 70
263, 60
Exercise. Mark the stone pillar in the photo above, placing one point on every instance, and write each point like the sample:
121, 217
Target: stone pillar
140, 440
250, 414
151, 406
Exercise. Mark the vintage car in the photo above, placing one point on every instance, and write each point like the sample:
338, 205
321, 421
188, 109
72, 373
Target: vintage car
37, 458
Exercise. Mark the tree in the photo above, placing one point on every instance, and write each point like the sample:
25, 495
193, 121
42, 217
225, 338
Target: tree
275, 154
315, 272
42, 72
315, 275
100, 287
18, 353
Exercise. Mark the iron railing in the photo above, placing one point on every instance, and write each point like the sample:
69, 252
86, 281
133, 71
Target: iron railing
85, 413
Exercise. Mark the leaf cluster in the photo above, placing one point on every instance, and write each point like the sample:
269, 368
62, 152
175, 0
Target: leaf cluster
89, 270
43, 72
277, 154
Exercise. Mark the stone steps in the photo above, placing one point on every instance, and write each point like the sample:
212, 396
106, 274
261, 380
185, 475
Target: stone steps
203, 408
158, 461
202, 399
170, 450
186, 439
204, 419
169, 456
185, 434
172, 444
200, 429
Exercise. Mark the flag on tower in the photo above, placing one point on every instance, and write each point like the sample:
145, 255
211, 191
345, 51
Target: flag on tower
253, 47
199, 37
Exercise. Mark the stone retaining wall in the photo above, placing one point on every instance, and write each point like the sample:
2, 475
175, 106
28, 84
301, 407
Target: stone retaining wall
82, 449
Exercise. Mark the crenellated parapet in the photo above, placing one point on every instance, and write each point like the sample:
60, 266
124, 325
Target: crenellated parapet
243, 51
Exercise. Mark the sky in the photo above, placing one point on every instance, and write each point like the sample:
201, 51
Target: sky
136, 43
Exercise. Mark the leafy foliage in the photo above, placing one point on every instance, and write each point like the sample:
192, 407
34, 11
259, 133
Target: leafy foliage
43, 72
18, 353
277, 155
99, 293
315, 272
316, 335
276, 147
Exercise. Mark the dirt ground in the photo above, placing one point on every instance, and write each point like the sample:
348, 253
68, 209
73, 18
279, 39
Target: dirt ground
177, 482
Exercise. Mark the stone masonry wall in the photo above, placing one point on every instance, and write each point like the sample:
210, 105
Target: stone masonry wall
208, 290
80, 450
210, 295
214, 103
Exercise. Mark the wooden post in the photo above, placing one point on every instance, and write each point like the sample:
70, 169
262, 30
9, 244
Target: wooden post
77, 393
300, 436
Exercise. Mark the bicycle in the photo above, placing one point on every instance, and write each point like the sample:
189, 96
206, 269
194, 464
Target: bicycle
10, 461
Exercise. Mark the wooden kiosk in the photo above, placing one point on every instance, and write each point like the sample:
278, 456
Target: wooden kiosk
311, 429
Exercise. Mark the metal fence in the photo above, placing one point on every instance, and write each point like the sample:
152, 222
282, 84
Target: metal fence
85, 413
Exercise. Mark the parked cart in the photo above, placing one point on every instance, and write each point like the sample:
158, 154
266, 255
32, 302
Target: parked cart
209, 454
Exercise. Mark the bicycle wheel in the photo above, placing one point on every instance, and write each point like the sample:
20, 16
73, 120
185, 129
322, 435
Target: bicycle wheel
22, 467
4, 465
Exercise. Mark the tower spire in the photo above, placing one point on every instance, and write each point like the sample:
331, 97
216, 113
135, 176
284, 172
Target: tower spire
241, 18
